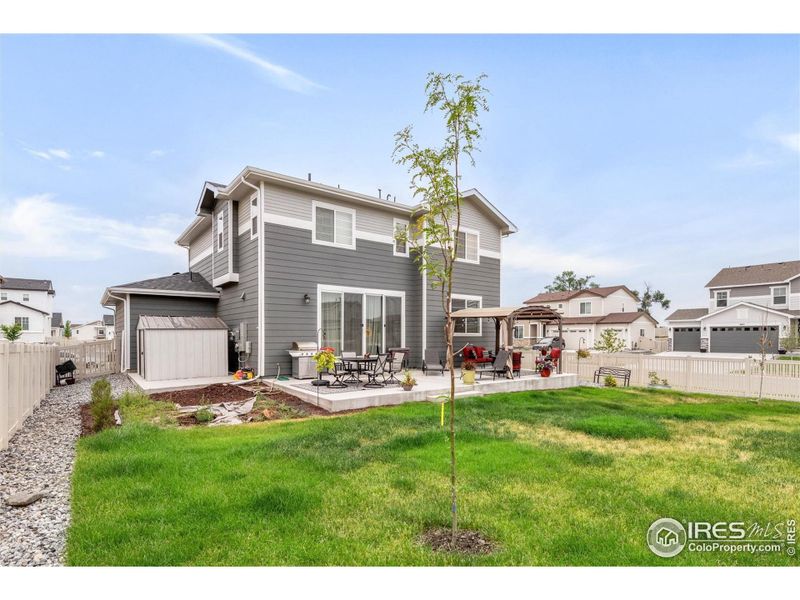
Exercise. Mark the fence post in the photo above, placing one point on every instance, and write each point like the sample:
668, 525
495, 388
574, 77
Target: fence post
4, 395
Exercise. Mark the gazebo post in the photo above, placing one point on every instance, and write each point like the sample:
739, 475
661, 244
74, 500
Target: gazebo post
561, 341
496, 335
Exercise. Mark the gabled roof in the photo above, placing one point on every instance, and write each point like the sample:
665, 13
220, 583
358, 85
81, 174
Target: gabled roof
619, 318
603, 292
57, 320
187, 284
779, 272
687, 314
24, 306
27, 285
97, 322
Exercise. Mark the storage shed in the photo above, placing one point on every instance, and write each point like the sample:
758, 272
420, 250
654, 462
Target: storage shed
181, 347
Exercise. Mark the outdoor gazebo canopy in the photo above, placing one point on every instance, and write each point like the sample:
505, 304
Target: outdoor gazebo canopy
505, 317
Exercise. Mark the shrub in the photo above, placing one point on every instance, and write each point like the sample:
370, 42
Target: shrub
204, 415
102, 405
12, 332
610, 381
609, 341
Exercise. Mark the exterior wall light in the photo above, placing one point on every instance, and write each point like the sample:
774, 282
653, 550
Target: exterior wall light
307, 299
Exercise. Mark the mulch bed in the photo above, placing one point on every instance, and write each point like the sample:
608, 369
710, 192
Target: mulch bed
211, 394
466, 542
87, 422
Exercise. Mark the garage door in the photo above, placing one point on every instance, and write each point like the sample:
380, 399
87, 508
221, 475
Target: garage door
686, 339
742, 339
572, 337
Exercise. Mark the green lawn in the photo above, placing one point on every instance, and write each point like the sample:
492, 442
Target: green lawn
570, 477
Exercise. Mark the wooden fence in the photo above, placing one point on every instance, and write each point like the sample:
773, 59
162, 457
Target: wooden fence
726, 376
27, 372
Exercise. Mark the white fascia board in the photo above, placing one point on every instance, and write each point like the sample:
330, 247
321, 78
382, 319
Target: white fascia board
187, 234
149, 292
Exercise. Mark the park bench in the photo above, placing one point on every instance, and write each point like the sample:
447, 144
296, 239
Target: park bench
623, 374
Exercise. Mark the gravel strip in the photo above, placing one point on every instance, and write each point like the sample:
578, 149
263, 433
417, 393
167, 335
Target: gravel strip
41, 456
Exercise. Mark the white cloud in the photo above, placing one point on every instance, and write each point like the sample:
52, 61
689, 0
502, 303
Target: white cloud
157, 153
38, 153
789, 140
280, 75
97, 154
747, 160
60, 153
549, 258
39, 227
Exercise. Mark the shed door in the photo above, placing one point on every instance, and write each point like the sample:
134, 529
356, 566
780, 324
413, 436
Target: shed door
686, 339
742, 339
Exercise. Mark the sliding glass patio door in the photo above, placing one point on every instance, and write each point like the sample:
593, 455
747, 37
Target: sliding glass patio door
361, 321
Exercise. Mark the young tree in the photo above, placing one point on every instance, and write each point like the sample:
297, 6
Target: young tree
436, 181
651, 297
67, 330
609, 342
12, 332
567, 281
764, 344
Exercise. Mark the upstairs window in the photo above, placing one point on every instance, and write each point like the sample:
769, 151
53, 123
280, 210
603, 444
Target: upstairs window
26, 297
22, 321
468, 242
334, 226
254, 217
779, 296
468, 325
220, 232
586, 308
3, 297
722, 299
400, 245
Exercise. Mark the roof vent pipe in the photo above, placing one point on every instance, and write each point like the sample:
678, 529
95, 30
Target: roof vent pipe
379, 192
309, 176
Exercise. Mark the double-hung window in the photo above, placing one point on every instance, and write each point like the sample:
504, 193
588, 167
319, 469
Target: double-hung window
334, 226
3, 297
220, 231
26, 297
466, 325
254, 217
400, 237
22, 321
468, 245
722, 299
519, 332
779, 296
586, 308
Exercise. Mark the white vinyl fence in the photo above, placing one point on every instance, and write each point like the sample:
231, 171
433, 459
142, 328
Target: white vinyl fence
726, 376
91, 358
27, 372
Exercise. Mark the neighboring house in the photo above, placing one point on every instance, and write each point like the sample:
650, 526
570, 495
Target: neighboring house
30, 303
282, 259
91, 331
587, 313
744, 304
57, 325
108, 325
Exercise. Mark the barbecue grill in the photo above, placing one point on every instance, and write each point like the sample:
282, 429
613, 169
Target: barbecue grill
303, 366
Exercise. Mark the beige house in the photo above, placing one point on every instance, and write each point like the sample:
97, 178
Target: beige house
587, 313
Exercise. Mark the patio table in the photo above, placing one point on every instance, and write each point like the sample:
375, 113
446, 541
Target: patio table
360, 362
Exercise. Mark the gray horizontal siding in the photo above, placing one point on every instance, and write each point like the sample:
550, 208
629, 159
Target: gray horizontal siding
469, 279
204, 268
165, 306
294, 267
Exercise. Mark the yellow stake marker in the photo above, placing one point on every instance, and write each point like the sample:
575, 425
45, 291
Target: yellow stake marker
441, 420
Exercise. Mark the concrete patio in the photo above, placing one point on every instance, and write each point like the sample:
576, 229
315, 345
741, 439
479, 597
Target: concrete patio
171, 385
427, 389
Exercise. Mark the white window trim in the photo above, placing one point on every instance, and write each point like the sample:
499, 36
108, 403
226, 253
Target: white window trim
581, 303
522, 328
335, 208
727, 298
480, 321
785, 295
26, 297
395, 223
256, 216
477, 235
220, 233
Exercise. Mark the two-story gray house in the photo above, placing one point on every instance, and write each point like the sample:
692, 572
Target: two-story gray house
281, 259
743, 304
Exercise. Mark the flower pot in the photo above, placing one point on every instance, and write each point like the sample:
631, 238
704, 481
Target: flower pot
408, 388
545, 372
468, 377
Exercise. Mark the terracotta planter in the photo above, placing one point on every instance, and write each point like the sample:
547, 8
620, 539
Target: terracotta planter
407, 388
545, 372
468, 377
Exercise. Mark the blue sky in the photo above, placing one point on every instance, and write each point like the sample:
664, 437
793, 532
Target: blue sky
633, 158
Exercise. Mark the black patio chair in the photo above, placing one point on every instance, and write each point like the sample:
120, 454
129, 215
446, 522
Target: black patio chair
432, 362
378, 370
65, 370
499, 366
339, 373
351, 368
394, 365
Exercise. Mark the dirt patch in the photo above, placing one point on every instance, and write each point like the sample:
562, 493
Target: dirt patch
211, 394
466, 541
87, 422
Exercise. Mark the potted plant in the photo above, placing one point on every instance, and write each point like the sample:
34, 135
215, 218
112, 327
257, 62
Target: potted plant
468, 372
583, 353
545, 367
408, 382
325, 360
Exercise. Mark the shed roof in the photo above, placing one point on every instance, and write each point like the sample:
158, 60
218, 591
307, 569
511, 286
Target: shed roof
196, 323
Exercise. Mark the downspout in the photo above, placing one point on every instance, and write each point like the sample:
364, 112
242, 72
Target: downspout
260, 300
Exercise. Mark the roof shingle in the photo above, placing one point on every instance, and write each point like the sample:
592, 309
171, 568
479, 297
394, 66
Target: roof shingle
756, 274
179, 282
603, 292
687, 314
32, 285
